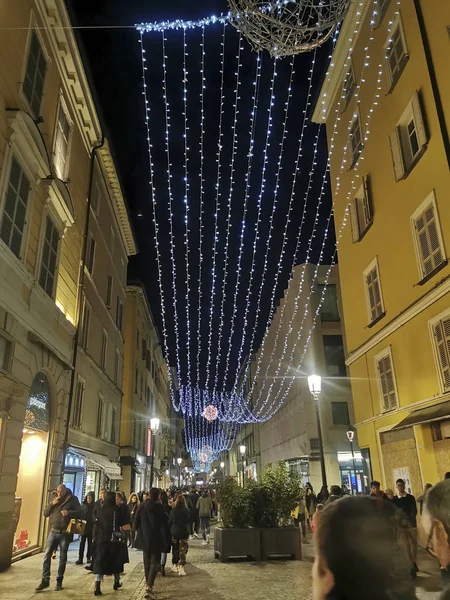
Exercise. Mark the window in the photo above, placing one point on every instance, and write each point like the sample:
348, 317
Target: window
373, 292
361, 214
408, 140
334, 355
116, 367
77, 409
15, 208
109, 291
329, 310
49, 260
356, 140
339, 411
104, 350
138, 343
113, 426
62, 141
100, 416
148, 360
112, 237
381, 11
119, 313
96, 194
428, 238
349, 87
144, 349
91, 255
85, 324
33, 85
441, 332
5, 353
396, 54
136, 381
386, 380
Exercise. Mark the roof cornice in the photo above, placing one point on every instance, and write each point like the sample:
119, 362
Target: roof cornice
337, 70
56, 20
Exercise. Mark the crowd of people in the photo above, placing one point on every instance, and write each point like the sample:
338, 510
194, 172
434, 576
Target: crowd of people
158, 523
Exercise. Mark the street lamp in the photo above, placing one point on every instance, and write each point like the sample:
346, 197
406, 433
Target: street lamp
154, 426
243, 450
179, 461
315, 387
222, 466
351, 436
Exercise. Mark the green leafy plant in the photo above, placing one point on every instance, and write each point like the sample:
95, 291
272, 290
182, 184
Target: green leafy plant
235, 504
276, 496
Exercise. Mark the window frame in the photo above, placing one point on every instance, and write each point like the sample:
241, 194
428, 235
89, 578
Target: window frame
90, 267
394, 78
119, 314
10, 343
84, 343
340, 402
33, 28
49, 214
104, 350
117, 358
62, 106
100, 416
381, 14
377, 359
430, 200
80, 381
355, 156
347, 97
362, 196
432, 323
109, 290
111, 241
373, 265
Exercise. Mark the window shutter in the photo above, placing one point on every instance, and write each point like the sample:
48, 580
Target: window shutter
442, 336
370, 289
387, 383
368, 209
418, 120
354, 221
397, 156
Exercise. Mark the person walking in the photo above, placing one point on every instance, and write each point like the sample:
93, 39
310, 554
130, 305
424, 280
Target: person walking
323, 495
59, 511
335, 494
111, 550
164, 499
192, 505
87, 514
311, 503
300, 515
97, 508
133, 505
152, 528
406, 503
180, 524
205, 507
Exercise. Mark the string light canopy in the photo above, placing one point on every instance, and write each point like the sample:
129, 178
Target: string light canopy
287, 27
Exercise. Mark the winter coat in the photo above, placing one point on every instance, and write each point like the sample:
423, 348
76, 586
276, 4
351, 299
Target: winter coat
67, 502
180, 523
109, 557
152, 526
311, 502
125, 513
204, 506
192, 499
133, 508
87, 514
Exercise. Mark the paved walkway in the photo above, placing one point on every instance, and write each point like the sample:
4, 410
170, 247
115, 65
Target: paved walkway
206, 578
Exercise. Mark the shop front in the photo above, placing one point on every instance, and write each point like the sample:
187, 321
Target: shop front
88, 471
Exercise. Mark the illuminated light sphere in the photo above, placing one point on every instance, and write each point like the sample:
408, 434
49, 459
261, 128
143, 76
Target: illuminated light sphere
207, 451
287, 27
210, 413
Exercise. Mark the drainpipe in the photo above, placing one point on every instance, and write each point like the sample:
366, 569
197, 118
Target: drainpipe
79, 304
433, 79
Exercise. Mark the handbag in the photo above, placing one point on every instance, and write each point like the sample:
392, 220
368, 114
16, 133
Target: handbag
117, 537
76, 526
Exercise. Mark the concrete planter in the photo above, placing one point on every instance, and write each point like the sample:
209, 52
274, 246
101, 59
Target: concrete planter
237, 543
281, 542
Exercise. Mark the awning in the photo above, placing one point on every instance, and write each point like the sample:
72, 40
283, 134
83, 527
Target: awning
111, 469
438, 412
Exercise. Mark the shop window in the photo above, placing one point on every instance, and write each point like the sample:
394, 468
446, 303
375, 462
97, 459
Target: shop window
361, 212
396, 53
109, 284
329, 310
15, 208
428, 238
62, 142
334, 355
441, 332
33, 85
373, 293
91, 255
77, 409
408, 140
339, 411
49, 261
386, 380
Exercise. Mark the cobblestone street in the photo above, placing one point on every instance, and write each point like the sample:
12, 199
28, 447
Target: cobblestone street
206, 578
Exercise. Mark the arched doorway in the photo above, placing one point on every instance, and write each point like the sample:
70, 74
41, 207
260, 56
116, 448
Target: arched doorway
32, 469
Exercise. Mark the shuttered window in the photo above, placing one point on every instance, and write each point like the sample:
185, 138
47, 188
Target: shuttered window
374, 292
387, 382
119, 313
33, 85
113, 426
15, 208
62, 138
441, 331
356, 140
91, 255
116, 367
104, 350
85, 326
349, 87
77, 410
381, 8
100, 414
109, 291
428, 239
396, 54
361, 212
49, 258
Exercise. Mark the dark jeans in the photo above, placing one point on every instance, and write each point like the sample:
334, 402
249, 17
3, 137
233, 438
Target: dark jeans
54, 540
83, 540
179, 550
194, 523
152, 562
204, 523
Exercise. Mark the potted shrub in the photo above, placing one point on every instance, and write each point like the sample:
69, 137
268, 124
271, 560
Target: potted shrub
274, 500
236, 538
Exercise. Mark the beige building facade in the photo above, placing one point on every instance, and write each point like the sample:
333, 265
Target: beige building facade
48, 130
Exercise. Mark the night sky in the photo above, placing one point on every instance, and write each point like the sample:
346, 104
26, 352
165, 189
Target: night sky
114, 60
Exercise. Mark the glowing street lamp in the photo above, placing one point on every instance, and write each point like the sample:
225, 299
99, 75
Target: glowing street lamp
179, 461
243, 450
154, 426
315, 387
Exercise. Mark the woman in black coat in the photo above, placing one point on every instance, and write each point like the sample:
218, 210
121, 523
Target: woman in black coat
87, 514
180, 528
111, 551
164, 499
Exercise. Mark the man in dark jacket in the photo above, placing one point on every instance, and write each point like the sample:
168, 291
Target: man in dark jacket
151, 522
192, 499
62, 508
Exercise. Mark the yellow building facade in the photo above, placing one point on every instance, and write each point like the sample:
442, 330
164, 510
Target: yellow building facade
386, 105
